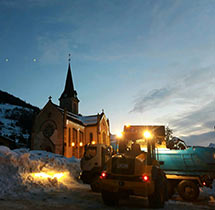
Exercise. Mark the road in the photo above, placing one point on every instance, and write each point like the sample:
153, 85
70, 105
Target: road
83, 198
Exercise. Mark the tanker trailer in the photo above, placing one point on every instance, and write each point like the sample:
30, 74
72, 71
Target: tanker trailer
188, 169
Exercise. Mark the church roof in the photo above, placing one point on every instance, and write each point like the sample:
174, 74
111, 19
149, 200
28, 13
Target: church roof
69, 87
89, 120
82, 120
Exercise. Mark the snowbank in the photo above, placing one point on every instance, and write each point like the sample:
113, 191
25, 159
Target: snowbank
24, 171
209, 191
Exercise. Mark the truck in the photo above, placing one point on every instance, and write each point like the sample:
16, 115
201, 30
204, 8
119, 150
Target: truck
130, 172
186, 168
94, 159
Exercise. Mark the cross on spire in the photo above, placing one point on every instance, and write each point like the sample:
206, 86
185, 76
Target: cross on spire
69, 58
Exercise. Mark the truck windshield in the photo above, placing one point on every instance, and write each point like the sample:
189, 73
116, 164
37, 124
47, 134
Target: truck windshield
90, 152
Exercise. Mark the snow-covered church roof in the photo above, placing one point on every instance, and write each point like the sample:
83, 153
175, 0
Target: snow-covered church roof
83, 120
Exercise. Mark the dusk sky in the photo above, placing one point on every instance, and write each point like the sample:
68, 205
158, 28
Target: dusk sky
142, 61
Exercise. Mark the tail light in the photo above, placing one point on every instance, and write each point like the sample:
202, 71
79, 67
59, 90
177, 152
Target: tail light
103, 175
145, 178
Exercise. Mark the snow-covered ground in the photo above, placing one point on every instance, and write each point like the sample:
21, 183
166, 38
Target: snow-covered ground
41, 180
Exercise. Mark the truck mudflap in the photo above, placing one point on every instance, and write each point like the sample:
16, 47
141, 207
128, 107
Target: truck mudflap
180, 177
202, 181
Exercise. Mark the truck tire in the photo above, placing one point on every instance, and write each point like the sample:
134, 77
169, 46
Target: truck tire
110, 198
157, 199
188, 190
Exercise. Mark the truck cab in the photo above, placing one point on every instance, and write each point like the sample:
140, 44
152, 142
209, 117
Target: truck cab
134, 172
93, 162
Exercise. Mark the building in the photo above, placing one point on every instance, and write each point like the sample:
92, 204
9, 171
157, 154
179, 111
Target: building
62, 130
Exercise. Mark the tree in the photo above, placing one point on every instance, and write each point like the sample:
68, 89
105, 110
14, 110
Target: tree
168, 133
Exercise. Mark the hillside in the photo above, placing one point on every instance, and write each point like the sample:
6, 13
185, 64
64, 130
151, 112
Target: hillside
6, 98
16, 118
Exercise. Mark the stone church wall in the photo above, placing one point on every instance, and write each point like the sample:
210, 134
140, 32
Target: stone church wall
48, 130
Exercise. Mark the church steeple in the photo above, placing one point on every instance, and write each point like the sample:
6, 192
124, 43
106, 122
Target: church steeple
68, 98
69, 87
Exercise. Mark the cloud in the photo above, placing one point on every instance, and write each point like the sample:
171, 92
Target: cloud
102, 25
187, 104
203, 139
195, 88
196, 121
54, 51
153, 99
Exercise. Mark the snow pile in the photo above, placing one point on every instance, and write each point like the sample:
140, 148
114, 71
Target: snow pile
27, 171
210, 191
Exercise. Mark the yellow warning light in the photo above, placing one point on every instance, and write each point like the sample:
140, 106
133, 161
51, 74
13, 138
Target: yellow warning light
147, 135
93, 142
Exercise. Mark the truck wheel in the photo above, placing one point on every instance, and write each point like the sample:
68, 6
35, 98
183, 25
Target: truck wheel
188, 190
110, 198
157, 199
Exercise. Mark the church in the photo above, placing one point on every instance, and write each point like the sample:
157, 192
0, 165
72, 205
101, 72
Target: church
61, 129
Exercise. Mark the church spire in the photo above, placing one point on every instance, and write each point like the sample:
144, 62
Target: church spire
68, 98
69, 87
